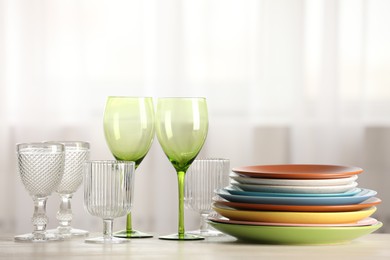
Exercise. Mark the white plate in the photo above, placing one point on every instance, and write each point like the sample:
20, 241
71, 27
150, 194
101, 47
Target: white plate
295, 189
292, 182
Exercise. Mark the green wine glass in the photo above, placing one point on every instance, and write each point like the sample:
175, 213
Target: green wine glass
181, 128
129, 132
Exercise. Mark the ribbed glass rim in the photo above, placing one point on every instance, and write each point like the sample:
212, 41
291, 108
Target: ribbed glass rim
181, 98
130, 97
212, 159
110, 162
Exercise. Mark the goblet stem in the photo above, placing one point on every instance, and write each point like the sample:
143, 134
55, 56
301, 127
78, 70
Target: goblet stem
181, 178
107, 229
39, 218
129, 226
204, 226
64, 215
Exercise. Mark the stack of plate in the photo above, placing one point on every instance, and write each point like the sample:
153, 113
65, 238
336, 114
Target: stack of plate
295, 204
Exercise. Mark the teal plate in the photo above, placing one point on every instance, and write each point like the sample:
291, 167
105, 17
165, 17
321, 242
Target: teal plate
344, 200
294, 235
237, 191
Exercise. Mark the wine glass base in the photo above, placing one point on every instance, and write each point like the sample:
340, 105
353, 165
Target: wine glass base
69, 233
132, 234
206, 233
184, 237
103, 240
42, 238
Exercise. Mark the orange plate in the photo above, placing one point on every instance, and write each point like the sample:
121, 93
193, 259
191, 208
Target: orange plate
298, 171
314, 208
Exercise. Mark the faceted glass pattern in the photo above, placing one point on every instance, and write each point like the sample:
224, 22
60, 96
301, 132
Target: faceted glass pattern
76, 154
41, 167
40, 170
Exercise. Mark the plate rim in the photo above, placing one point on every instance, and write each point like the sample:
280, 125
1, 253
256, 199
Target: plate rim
238, 191
365, 194
219, 219
259, 234
291, 182
304, 173
315, 208
293, 214
309, 189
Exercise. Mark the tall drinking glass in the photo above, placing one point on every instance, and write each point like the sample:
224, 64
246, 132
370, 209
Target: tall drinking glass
41, 167
181, 127
76, 153
129, 132
108, 193
203, 178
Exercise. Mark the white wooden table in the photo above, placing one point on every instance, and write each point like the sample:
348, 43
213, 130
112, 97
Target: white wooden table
373, 246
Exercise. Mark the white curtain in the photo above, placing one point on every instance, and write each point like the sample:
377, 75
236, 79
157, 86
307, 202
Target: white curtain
287, 81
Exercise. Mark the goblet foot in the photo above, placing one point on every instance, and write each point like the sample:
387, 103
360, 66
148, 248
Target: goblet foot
184, 237
105, 240
206, 233
78, 232
132, 234
38, 238
70, 232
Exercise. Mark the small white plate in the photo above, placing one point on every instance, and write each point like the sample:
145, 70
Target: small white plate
295, 189
292, 182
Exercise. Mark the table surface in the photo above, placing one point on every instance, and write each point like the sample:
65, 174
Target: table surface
373, 246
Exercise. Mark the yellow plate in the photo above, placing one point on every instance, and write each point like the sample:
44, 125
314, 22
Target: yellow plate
295, 217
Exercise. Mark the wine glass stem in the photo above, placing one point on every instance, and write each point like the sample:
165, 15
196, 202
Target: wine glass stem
204, 226
64, 215
107, 229
181, 178
39, 218
129, 227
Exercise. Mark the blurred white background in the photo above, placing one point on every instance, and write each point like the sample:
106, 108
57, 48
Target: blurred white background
287, 81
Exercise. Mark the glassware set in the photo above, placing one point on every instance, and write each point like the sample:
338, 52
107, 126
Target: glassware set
130, 123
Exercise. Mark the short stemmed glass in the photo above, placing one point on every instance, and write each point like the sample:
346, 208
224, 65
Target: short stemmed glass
203, 177
41, 167
76, 153
129, 132
108, 193
181, 127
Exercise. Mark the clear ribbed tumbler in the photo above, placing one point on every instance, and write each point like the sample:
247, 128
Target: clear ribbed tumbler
203, 177
108, 193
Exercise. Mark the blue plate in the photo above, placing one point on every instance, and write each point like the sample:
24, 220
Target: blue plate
342, 200
237, 191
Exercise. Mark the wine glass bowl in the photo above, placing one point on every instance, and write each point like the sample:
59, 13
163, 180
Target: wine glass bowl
108, 193
181, 128
41, 167
129, 133
76, 153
